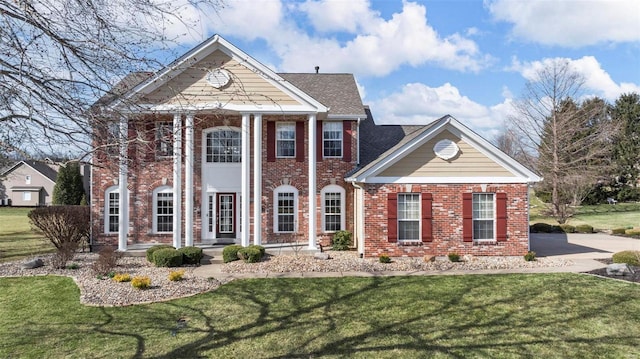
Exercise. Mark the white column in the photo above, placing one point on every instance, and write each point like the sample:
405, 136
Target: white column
312, 181
257, 179
123, 200
177, 180
246, 166
188, 182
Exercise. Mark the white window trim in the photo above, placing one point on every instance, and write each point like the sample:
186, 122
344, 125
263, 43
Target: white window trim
341, 139
280, 124
493, 218
159, 141
285, 189
112, 189
27, 179
205, 133
161, 189
334, 189
419, 239
26, 196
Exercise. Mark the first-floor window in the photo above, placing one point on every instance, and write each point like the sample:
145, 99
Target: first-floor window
113, 211
286, 198
409, 216
483, 216
26, 196
333, 208
163, 210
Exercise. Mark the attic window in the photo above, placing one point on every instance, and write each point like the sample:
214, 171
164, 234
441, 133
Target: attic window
218, 78
446, 149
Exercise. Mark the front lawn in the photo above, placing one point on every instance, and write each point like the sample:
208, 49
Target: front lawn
602, 216
17, 240
496, 316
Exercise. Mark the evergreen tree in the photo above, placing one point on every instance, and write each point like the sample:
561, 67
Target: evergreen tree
68, 189
626, 112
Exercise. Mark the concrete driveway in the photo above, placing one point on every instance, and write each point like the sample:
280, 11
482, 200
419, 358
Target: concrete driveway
580, 245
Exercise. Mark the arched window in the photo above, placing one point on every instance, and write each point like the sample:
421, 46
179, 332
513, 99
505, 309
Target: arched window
285, 204
111, 209
223, 145
333, 208
163, 209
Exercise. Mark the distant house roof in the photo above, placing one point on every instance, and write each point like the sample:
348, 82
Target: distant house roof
39, 166
338, 92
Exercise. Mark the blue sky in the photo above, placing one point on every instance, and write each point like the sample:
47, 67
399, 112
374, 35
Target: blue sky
416, 61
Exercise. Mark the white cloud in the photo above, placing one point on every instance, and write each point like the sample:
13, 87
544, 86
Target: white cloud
597, 80
419, 104
570, 23
335, 16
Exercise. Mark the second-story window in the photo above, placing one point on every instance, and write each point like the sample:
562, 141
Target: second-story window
224, 146
285, 140
331, 139
164, 139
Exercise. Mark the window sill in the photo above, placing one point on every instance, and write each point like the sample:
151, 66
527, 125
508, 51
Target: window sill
485, 241
409, 243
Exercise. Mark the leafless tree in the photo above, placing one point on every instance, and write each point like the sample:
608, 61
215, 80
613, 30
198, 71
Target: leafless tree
570, 141
57, 57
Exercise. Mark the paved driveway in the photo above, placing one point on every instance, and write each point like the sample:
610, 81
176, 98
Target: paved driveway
579, 245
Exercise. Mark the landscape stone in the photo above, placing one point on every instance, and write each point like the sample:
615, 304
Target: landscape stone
321, 255
35, 263
619, 269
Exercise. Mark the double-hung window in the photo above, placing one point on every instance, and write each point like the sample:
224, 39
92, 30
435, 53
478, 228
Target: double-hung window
331, 139
163, 210
224, 146
113, 211
409, 216
285, 204
164, 139
285, 140
484, 217
333, 208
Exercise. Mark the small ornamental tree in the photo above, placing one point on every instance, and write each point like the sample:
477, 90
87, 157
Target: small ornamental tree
68, 189
62, 224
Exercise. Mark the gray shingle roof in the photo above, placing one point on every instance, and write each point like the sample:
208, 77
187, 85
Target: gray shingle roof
339, 92
39, 166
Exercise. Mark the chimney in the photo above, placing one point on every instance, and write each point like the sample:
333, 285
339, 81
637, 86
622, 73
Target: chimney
317, 69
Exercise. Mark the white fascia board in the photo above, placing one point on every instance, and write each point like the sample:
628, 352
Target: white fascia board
215, 106
444, 180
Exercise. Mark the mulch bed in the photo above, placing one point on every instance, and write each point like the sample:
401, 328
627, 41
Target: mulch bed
635, 277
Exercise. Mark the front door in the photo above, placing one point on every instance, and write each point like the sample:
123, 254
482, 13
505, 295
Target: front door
225, 216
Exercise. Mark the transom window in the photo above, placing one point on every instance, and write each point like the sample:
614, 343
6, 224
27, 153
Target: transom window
164, 139
285, 140
224, 146
332, 139
483, 216
163, 203
409, 216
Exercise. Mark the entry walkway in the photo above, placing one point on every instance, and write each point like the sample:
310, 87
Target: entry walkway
581, 249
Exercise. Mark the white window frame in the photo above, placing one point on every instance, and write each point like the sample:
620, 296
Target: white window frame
326, 128
27, 179
480, 214
113, 139
333, 189
26, 196
156, 191
107, 207
164, 139
276, 192
402, 215
235, 157
282, 127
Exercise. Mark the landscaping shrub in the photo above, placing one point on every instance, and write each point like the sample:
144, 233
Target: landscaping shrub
167, 257
618, 231
544, 196
544, 228
384, 258
250, 254
584, 228
107, 260
454, 257
230, 253
62, 224
341, 241
176, 275
63, 255
632, 232
567, 228
73, 266
141, 282
530, 256
124, 277
191, 255
629, 194
151, 250
629, 257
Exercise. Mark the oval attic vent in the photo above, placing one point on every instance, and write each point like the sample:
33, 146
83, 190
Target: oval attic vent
446, 149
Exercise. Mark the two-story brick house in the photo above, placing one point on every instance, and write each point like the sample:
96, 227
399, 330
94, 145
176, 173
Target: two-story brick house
217, 148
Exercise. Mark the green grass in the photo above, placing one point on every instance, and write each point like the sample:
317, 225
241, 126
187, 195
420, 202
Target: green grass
17, 240
601, 216
489, 316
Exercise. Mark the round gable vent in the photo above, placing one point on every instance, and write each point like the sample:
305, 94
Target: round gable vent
218, 77
446, 149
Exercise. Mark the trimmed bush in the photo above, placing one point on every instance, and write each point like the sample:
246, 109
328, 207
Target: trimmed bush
567, 228
64, 226
629, 257
230, 253
151, 250
191, 255
632, 232
384, 258
544, 228
141, 282
250, 254
618, 231
530, 256
341, 241
124, 277
454, 257
176, 275
584, 228
167, 257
